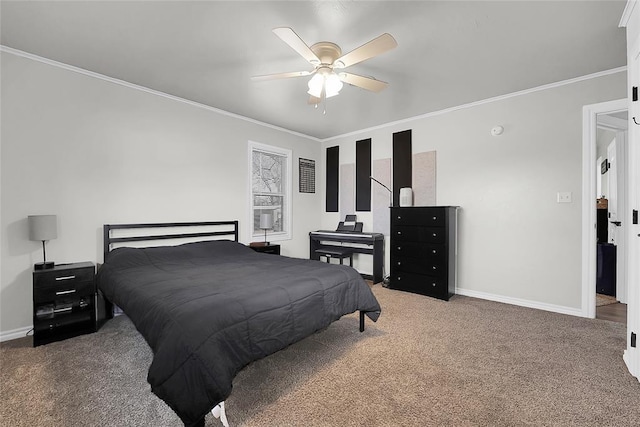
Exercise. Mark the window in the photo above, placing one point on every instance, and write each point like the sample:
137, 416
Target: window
270, 180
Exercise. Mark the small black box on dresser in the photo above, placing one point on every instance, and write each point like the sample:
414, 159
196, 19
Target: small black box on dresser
64, 302
424, 250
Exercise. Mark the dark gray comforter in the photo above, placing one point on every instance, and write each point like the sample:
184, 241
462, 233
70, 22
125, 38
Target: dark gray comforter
208, 309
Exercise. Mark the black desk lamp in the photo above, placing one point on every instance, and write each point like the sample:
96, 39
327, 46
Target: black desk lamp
41, 229
387, 188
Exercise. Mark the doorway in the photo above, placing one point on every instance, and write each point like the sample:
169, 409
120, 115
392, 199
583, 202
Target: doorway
605, 119
611, 180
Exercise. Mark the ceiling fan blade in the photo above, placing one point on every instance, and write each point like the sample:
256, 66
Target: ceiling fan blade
368, 50
367, 83
282, 75
292, 39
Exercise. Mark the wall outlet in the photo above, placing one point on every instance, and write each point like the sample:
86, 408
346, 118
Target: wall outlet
564, 197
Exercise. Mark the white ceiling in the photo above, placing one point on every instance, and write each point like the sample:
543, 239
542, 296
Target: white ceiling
449, 53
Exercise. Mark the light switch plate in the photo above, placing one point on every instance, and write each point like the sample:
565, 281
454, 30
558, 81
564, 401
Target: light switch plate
564, 196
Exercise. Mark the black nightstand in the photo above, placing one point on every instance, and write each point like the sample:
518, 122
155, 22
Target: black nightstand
64, 302
267, 249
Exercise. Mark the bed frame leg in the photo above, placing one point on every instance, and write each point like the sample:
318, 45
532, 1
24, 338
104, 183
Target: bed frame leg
361, 321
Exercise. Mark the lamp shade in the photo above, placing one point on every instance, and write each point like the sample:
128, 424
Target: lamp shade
315, 85
266, 221
43, 227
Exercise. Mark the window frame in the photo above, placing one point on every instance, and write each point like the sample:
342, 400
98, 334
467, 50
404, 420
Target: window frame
285, 234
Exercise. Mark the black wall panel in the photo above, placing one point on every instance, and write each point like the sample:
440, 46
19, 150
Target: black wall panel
363, 172
333, 159
402, 171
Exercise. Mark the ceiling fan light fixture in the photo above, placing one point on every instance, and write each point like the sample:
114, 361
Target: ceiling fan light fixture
327, 81
327, 58
332, 85
315, 85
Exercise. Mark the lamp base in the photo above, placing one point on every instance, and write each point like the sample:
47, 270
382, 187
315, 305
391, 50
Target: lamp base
43, 265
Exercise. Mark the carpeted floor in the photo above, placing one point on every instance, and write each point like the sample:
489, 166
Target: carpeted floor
602, 299
466, 362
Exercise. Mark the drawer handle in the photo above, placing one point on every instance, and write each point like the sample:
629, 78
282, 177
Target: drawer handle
399, 263
433, 284
399, 232
434, 267
399, 248
434, 234
62, 310
434, 218
65, 278
434, 251
70, 291
399, 278
399, 217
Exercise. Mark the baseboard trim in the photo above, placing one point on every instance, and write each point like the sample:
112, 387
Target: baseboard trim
521, 302
14, 334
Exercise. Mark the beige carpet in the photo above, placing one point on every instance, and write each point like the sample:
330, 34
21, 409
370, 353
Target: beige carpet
605, 300
466, 362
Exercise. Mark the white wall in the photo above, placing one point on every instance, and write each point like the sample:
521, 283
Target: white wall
603, 139
516, 243
94, 152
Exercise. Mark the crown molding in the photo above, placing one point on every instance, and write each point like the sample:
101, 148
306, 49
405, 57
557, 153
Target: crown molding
626, 13
124, 83
93, 74
484, 101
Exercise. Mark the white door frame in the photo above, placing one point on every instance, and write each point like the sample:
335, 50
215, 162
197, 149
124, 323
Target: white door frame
589, 123
631, 355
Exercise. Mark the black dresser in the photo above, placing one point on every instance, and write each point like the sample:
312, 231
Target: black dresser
423, 250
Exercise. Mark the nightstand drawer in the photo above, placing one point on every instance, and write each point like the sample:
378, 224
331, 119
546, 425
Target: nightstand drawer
67, 289
61, 277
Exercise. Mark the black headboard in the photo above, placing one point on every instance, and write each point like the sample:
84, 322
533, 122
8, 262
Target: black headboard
223, 228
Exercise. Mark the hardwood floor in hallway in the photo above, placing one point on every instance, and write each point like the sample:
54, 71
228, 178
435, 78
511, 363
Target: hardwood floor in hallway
614, 312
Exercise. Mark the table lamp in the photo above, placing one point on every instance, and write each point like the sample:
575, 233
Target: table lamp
41, 229
266, 223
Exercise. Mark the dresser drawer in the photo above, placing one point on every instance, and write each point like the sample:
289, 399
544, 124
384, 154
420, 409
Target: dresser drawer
418, 283
423, 216
413, 265
418, 234
424, 251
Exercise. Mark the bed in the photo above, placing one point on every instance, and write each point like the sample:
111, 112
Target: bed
209, 308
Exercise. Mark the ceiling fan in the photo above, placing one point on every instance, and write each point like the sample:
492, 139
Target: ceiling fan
326, 58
